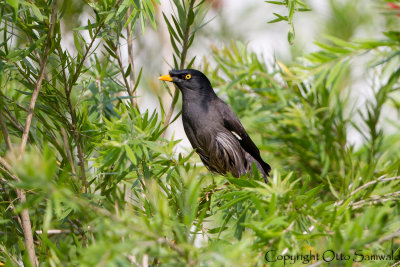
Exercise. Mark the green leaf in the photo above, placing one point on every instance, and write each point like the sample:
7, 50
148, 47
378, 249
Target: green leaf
77, 43
279, 18
276, 2
13, 4
130, 154
190, 17
291, 35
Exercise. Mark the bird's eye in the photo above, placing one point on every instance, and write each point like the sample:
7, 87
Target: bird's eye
188, 76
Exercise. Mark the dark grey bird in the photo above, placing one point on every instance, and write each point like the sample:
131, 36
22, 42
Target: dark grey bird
213, 129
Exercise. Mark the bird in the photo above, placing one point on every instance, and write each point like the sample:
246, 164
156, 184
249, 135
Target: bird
213, 129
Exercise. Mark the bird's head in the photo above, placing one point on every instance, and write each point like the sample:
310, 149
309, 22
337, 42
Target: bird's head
188, 79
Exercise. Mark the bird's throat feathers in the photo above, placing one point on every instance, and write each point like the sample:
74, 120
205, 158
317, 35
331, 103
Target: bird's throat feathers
201, 99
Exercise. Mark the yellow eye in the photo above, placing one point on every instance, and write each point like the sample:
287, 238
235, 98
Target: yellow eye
188, 76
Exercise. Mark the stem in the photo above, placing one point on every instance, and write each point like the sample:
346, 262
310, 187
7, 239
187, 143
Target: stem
26, 222
9, 148
13, 120
185, 47
121, 69
131, 61
11, 203
78, 145
38, 85
380, 179
4, 129
69, 154
27, 227
68, 89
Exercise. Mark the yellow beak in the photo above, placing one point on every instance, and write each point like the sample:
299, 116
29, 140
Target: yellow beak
166, 78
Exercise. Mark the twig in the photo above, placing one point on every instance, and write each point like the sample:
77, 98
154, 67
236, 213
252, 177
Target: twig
8, 169
25, 219
69, 154
59, 231
11, 203
68, 89
4, 128
121, 69
374, 200
185, 47
380, 179
39, 82
11, 118
27, 228
130, 60
26, 222
17, 124
101, 108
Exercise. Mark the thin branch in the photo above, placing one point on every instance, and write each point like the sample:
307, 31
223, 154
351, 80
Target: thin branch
68, 89
375, 199
67, 148
121, 69
59, 231
26, 222
185, 47
27, 78
4, 129
39, 82
27, 228
8, 169
11, 203
13, 120
19, 126
380, 179
77, 143
130, 60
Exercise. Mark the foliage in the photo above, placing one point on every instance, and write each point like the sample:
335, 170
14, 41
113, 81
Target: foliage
105, 187
292, 6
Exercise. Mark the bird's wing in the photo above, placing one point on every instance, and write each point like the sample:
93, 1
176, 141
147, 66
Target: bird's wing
233, 124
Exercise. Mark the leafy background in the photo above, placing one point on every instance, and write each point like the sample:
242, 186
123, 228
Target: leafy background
91, 171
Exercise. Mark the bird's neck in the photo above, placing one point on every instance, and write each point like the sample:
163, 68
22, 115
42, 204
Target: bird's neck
201, 99
191, 96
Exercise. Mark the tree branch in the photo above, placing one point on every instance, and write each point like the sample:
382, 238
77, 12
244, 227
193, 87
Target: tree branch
26, 222
68, 89
39, 82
